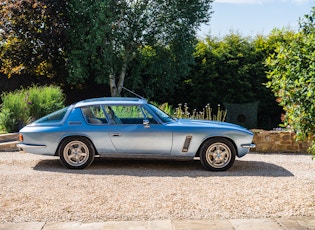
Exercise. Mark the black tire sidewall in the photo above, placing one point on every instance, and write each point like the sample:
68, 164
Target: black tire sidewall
206, 145
83, 140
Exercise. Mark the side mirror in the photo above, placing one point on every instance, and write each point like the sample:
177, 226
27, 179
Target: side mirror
146, 123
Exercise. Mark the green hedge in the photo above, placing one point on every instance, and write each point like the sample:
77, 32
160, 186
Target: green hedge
23, 106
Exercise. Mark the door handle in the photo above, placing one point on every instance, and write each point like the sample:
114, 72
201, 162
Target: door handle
116, 134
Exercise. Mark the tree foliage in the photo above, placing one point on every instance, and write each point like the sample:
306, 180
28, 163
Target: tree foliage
292, 76
32, 37
145, 45
108, 36
231, 70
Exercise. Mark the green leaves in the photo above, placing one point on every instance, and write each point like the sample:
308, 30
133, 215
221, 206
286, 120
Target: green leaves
33, 38
292, 77
107, 37
23, 106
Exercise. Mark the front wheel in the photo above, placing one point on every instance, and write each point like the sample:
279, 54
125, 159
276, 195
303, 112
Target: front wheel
76, 153
217, 154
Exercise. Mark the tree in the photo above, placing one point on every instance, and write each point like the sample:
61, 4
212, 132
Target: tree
107, 36
32, 37
292, 77
227, 70
230, 69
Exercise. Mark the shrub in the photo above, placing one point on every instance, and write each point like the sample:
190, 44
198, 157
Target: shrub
14, 111
26, 105
7, 124
44, 100
292, 78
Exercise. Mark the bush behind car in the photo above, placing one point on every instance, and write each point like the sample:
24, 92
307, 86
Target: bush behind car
22, 106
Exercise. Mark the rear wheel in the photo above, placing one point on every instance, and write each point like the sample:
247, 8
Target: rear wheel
76, 153
217, 154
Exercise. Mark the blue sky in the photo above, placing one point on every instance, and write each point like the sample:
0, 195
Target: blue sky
252, 17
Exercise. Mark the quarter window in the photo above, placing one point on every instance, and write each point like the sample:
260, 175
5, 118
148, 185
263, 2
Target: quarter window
54, 117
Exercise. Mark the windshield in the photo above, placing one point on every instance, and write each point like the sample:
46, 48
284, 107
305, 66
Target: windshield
162, 115
53, 117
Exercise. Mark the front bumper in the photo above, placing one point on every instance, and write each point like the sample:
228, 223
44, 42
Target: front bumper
249, 146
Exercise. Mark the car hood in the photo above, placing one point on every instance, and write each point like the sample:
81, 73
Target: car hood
210, 124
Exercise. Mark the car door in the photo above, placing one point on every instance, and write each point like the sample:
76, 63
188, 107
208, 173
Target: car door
130, 135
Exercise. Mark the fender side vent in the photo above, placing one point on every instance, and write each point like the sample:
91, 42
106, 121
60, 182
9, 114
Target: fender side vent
186, 144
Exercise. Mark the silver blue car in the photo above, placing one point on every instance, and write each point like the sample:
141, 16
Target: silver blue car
132, 128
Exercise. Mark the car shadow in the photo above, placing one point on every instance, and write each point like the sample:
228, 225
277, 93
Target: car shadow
165, 168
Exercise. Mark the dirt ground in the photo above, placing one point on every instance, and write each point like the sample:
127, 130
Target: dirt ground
39, 188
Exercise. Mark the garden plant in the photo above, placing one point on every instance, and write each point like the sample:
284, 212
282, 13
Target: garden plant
23, 106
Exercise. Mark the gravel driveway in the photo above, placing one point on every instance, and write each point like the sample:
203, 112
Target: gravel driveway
39, 188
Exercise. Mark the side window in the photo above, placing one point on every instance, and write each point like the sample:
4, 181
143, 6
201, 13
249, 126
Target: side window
94, 115
127, 114
130, 112
148, 116
111, 114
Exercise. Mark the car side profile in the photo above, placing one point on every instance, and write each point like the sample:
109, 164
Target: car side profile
132, 128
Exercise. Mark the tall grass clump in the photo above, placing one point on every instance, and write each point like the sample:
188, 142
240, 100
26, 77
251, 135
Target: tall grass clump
23, 106
182, 111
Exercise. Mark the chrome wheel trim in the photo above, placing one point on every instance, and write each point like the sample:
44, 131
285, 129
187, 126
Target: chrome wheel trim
218, 155
76, 153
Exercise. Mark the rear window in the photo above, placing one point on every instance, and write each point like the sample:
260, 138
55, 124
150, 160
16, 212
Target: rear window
54, 117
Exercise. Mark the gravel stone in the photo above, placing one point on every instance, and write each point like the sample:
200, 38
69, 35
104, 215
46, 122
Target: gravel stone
36, 188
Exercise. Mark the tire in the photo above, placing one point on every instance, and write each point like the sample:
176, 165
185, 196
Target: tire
76, 153
217, 154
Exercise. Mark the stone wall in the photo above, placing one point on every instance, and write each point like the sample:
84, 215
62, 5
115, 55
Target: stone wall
8, 142
278, 141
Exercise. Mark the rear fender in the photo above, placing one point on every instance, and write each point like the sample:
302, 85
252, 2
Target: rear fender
71, 136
